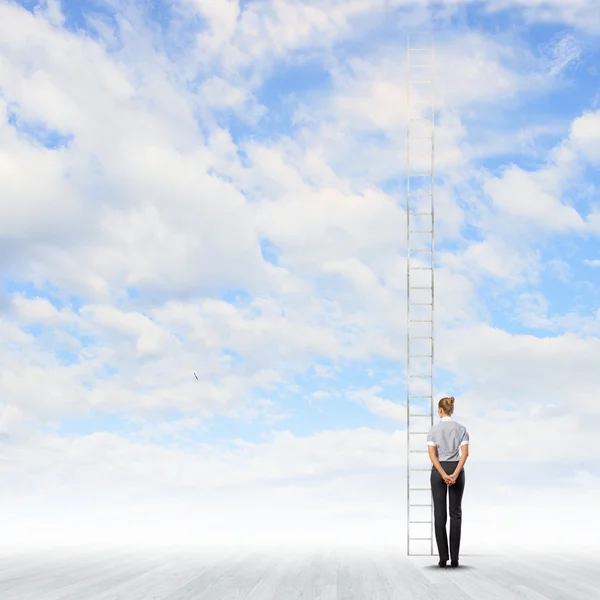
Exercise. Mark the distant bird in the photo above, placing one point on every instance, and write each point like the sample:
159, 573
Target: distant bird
196, 376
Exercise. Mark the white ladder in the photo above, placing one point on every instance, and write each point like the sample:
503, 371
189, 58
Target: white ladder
420, 278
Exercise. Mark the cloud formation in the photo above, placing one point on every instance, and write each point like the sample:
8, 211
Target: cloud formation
220, 191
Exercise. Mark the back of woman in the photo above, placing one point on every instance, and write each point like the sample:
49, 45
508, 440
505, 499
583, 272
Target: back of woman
448, 444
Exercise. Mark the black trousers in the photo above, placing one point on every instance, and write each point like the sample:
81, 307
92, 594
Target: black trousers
439, 490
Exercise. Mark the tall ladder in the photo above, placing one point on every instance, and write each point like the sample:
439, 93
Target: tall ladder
419, 286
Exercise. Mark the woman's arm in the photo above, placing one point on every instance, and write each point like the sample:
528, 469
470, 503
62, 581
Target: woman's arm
434, 459
463, 459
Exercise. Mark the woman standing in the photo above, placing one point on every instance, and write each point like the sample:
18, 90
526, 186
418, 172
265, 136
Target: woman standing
444, 440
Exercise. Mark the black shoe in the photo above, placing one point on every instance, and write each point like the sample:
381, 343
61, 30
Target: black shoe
442, 564
454, 564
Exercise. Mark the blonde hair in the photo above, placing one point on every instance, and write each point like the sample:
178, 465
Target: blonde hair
447, 405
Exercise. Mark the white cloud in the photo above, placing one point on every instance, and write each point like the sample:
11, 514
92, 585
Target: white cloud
564, 53
361, 465
370, 95
585, 134
263, 31
576, 13
221, 18
221, 94
494, 257
528, 196
40, 310
520, 370
379, 406
43, 207
125, 149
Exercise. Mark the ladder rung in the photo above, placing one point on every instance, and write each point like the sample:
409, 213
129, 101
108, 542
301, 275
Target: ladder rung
419, 504
421, 337
420, 470
421, 137
422, 250
410, 522
419, 451
420, 174
420, 287
420, 538
421, 268
421, 304
418, 432
420, 356
421, 214
421, 321
420, 231
419, 195
421, 376
421, 414
420, 119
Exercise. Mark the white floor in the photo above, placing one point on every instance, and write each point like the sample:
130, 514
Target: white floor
271, 575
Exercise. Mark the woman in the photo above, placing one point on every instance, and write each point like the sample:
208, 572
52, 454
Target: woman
447, 475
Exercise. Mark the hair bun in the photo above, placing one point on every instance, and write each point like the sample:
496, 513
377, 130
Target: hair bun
451, 399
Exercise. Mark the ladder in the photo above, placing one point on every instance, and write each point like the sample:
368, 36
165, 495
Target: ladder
420, 279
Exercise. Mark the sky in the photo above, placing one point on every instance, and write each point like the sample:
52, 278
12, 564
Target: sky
219, 189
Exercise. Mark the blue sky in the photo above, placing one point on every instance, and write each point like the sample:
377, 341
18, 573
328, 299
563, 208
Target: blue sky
218, 188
